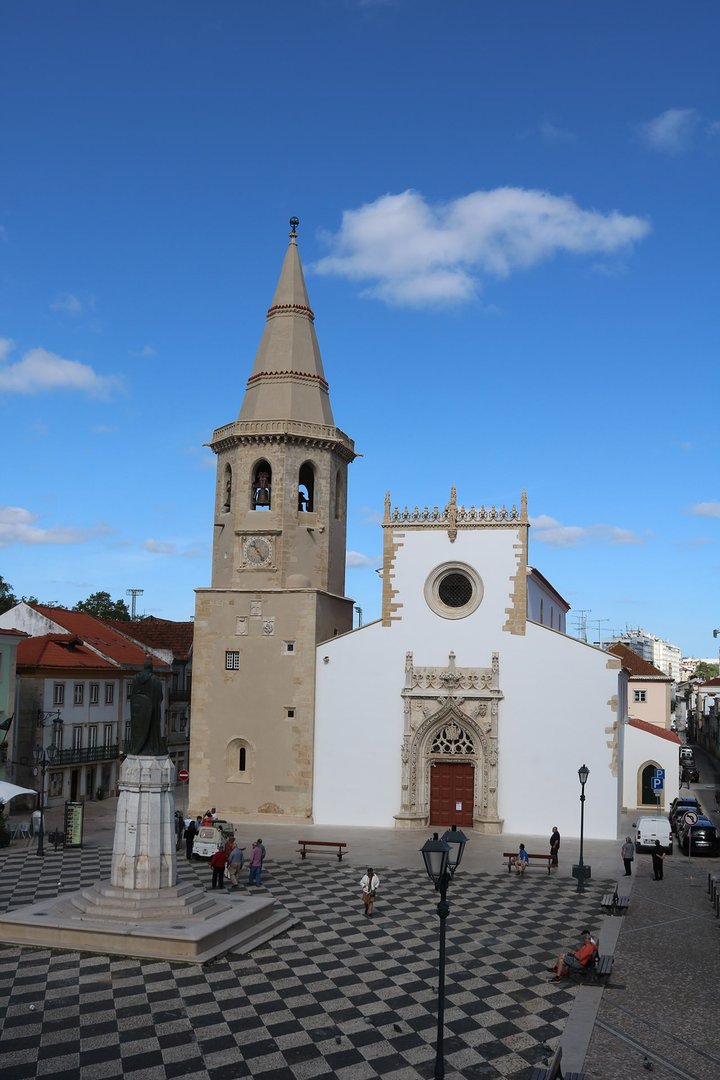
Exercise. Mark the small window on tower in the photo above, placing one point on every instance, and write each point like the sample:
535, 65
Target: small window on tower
232, 660
288, 647
242, 762
290, 714
261, 488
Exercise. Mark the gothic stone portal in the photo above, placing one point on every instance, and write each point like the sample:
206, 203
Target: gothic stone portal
450, 719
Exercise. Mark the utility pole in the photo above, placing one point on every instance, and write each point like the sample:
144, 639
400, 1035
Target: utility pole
598, 622
134, 593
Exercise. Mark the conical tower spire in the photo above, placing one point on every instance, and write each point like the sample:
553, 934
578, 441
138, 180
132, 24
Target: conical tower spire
287, 380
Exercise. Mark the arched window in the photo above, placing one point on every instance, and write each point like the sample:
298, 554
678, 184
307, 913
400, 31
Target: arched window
338, 495
227, 488
306, 487
238, 761
261, 486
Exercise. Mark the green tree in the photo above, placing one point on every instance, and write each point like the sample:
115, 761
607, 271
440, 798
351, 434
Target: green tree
706, 671
102, 606
8, 599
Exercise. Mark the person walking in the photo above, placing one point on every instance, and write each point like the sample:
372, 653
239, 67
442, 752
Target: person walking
628, 854
234, 866
521, 861
190, 834
554, 845
255, 863
218, 868
658, 857
369, 884
179, 829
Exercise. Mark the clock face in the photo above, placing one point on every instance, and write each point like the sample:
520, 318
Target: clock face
257, 551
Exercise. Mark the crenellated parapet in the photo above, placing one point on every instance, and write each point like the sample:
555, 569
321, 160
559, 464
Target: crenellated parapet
453, 517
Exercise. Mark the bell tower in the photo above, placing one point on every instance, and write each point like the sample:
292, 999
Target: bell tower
278, 572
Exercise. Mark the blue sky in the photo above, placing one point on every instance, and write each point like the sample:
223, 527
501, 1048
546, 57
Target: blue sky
509, 226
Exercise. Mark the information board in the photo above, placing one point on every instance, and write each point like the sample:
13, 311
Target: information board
74, 816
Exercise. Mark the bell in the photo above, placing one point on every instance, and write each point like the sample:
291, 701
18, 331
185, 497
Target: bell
262, 497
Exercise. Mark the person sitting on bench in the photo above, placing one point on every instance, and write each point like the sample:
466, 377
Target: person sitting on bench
521, 860
576, 961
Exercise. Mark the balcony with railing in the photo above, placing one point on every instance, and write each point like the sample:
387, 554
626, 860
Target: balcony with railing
86, 755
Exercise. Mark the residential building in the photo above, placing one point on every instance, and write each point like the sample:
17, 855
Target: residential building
9, 641
74, 674
649, 689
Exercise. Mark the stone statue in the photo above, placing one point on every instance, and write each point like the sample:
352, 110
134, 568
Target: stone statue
145, 700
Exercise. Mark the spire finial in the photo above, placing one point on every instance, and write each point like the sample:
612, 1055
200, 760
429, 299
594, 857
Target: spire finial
294, 222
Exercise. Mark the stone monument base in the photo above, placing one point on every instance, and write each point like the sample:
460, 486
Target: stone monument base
180, 923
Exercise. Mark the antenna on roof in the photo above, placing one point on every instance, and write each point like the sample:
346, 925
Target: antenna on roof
134, 593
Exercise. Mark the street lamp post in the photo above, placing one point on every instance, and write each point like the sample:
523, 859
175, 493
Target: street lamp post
43, 757
442, 858
581, 871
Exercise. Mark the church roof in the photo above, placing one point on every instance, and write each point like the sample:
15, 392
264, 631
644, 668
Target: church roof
287, 380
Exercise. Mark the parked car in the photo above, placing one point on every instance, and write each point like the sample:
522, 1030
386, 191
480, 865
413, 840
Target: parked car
686, 752
650, 829
702, 836
679, 806
211, 838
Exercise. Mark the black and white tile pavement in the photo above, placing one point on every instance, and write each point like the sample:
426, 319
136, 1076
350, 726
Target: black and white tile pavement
339, 996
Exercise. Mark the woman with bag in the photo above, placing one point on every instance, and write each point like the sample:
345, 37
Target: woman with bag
369, 885
218, 868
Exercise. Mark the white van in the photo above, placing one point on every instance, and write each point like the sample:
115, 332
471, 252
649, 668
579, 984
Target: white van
650, 829
211, 838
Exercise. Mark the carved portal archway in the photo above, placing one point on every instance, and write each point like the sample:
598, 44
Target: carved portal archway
450, 715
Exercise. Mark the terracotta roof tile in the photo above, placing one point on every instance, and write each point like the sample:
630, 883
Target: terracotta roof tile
159, 634
652, 729
99, 635
61, 651
635, 665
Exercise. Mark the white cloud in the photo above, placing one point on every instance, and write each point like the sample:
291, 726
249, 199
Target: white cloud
354, 558
6, 347
549, 531
550, 133
68, 303
412, 253
146, 353
40, 370
17, 526
706, 509
672, 131
158, 547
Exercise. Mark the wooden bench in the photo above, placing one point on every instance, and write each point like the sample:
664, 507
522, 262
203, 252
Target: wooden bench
511, 857
338, 845
552, 1070
595, 972
614, 904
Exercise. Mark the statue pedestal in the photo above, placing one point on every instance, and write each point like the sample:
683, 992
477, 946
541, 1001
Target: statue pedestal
143, 911
144, 845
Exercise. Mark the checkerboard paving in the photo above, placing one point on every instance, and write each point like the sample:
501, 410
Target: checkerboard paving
339, 996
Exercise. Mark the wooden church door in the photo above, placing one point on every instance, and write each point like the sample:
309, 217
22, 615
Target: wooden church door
452, 794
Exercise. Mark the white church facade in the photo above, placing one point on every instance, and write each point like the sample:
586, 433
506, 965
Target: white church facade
465, 702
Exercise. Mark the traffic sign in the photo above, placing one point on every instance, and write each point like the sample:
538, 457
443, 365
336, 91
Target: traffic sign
690, 818
657, 782
659, 774
183, 775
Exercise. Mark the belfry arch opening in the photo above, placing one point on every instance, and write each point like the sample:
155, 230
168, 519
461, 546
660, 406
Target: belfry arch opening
227, 488
306, 487
261, 486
